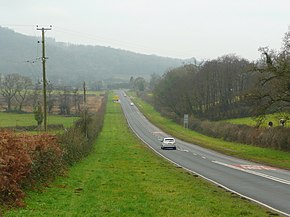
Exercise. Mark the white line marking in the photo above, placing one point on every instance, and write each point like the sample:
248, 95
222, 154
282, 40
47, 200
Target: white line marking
287, 182
184, 150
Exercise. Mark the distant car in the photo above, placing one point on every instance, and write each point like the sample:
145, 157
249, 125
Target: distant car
168, 142
131, 104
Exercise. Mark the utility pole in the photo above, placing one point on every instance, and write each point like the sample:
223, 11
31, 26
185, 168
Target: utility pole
85, 109
44, 73
85, 95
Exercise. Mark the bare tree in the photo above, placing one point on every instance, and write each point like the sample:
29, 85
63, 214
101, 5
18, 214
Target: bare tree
77, 100
272, 92
23, 87
9, 88
36, 93
65, 101
50, 97
212, 90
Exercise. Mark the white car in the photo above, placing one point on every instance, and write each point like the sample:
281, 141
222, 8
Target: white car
131, 104
168, 142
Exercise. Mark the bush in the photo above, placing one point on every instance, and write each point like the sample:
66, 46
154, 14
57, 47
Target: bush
22, 159
47, 160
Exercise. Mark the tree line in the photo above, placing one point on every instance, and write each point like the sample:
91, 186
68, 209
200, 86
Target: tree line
226, 87
213, 89
17, 91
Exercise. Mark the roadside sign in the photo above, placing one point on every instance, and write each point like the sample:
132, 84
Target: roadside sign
185, 120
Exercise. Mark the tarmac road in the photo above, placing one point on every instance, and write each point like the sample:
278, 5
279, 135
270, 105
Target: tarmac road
262, 184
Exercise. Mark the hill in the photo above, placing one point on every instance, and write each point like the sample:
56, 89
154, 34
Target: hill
73, 64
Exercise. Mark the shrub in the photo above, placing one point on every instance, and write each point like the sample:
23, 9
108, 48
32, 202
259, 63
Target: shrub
46, 155
22, 159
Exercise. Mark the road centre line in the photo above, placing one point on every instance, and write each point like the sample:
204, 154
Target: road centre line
287, 182
184, 150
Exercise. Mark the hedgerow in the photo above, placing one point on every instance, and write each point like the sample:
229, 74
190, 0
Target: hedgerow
27, 160
77, 142
272, 137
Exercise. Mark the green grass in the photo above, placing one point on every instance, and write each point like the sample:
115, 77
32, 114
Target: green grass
12, 120
122, 177
251, 122
263, 155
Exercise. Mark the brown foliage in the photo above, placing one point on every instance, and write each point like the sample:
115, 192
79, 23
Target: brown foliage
29, 159
19, 154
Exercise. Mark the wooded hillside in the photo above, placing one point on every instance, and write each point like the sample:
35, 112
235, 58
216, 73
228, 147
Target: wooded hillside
73, 64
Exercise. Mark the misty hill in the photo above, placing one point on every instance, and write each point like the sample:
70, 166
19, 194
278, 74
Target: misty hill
73, 64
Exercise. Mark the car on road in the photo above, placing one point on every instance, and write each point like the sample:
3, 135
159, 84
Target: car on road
168, 142
131, 104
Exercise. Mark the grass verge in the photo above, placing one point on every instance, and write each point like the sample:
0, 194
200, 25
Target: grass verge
263, 155
122, 177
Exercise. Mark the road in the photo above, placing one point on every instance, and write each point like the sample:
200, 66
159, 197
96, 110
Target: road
262, 184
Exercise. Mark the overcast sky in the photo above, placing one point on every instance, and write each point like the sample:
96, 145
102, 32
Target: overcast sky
205, 29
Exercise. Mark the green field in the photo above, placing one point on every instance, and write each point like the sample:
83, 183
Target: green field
263, 155
251, 122
122, 177
13, 120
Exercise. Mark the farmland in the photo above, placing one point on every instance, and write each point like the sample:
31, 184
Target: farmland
25, 118
14, 120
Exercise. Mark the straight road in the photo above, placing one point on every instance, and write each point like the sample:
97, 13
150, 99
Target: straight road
262, 184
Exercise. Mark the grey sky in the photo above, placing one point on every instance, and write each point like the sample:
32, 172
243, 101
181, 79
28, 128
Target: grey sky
204, 29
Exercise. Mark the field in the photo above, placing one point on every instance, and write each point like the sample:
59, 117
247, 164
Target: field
251, 122
14, 120
122, 177
94, 100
